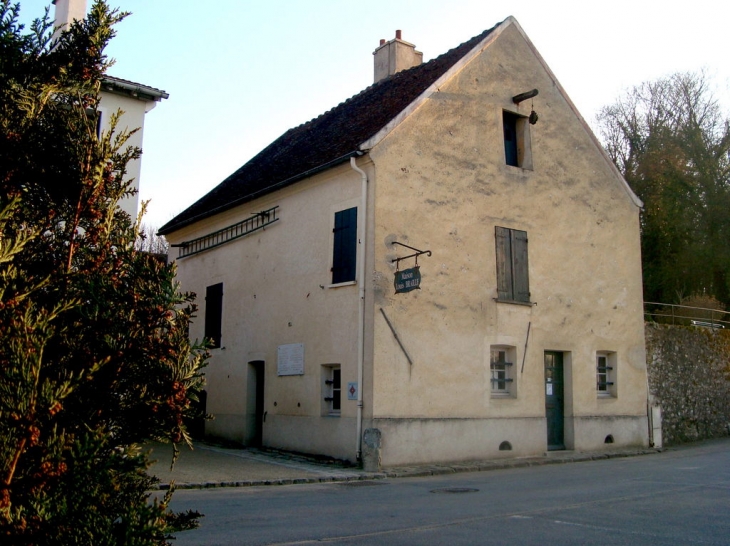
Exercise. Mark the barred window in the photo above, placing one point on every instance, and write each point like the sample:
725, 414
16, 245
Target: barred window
501, 369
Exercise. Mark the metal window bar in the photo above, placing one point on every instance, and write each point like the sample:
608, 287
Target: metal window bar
500, 368
674, 314
258, 220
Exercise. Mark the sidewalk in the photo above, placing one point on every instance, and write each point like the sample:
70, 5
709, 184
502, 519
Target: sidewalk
209, 465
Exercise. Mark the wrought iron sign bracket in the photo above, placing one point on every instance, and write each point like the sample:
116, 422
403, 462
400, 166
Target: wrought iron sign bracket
416, 255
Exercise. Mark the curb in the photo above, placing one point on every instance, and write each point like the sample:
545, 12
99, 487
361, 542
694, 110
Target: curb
422, 471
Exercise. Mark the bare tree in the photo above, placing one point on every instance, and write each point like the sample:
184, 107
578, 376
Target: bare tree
671, 141
149, 241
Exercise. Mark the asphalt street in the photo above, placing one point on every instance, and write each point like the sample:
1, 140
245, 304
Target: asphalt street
680, 496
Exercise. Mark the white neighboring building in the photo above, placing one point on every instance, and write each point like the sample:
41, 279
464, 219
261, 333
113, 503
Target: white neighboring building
134, 99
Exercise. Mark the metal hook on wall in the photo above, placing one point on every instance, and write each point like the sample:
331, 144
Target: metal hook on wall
416, 255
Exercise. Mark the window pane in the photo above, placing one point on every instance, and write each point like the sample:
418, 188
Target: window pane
510, 138
336, 389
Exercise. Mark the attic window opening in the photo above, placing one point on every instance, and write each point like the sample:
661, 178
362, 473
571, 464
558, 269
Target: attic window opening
257, 221
517, 142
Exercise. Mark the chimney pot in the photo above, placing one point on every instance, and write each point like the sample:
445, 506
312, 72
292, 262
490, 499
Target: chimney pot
382, 41
398, 35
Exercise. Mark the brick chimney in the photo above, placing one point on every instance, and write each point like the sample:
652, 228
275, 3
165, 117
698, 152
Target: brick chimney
68, 10
394, 56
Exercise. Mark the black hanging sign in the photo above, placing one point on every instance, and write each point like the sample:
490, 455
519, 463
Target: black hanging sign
407, 280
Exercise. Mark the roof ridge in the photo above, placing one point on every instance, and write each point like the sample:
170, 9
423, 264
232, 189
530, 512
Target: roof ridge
400, 73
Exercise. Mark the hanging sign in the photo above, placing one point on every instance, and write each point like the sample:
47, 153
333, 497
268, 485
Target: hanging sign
407, 280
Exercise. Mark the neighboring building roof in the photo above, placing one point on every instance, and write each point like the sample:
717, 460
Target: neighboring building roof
132, 89
324, 141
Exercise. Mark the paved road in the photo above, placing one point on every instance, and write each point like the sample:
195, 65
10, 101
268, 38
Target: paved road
679, 497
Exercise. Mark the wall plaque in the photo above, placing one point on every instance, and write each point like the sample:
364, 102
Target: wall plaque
290, 359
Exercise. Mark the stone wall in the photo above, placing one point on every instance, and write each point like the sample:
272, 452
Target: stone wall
689, 377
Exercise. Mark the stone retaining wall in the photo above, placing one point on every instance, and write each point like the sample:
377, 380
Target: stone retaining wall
689, 377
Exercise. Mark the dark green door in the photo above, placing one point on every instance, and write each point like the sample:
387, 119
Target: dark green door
554, 400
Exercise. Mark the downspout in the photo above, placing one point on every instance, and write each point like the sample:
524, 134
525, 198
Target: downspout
362, 235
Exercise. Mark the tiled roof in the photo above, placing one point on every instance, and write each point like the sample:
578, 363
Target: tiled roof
133, 88
326, 140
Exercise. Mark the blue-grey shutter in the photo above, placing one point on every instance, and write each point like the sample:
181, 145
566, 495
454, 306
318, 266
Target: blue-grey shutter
214, 313
345, 246
520, 276
504, 263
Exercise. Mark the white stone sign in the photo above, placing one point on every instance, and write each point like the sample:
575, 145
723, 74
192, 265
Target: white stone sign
290, 359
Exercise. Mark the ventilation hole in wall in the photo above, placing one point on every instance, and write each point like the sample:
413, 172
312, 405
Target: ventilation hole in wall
505, 446
609, 439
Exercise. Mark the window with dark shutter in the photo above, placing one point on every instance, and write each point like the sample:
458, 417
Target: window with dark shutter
214, 313
345, 246
512, 266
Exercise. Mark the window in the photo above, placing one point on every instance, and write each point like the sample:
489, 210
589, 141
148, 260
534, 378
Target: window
345, 246
332, 389
517, 146
512, 268
605, 374
501, 370
214, 313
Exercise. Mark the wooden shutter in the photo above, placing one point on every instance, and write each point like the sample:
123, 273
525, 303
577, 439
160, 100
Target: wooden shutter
504, 264
520, 277
512, 267
345, 246
214, 313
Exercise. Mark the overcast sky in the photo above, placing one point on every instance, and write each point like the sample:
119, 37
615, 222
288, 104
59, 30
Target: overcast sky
242, 72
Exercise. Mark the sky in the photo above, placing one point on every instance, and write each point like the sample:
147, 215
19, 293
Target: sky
241, 72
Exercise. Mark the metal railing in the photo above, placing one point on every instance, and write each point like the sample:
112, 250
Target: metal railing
687, 315
257, 221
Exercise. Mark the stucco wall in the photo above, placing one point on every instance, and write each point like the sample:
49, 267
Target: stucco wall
133, 118
689, 377
442, 184
277, 291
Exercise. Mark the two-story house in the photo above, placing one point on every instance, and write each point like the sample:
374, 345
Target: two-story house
444, 267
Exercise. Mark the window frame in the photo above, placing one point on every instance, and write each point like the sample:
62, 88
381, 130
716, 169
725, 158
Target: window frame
517, 140
606, 374
332, 389
344, 246
501, 371
513, 271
